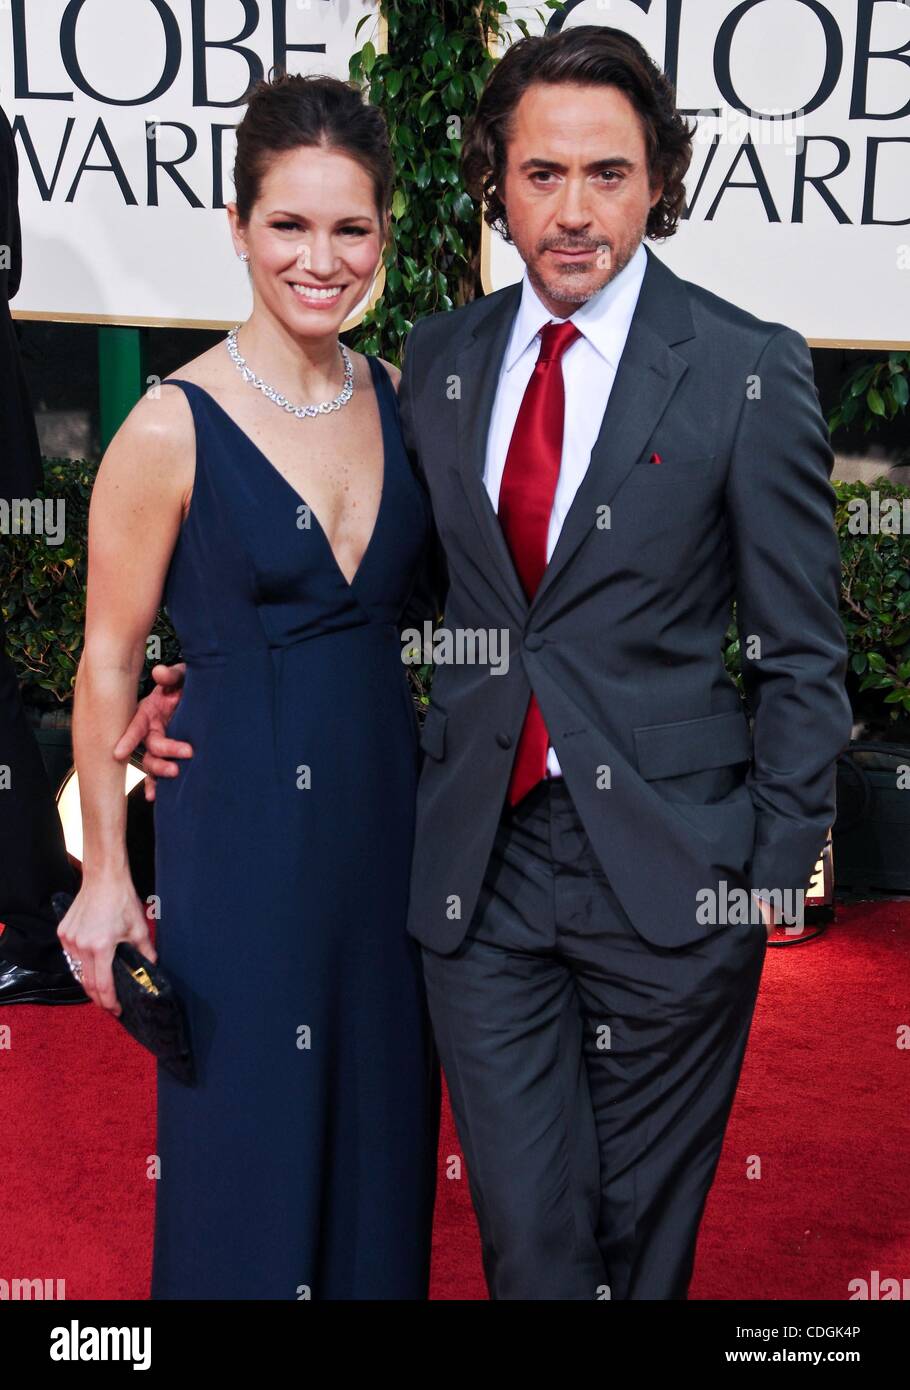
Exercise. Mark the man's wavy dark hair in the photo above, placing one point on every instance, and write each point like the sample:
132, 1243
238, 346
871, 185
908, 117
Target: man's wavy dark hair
587, 55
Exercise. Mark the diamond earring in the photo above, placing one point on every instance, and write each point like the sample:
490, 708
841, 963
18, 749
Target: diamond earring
244, 256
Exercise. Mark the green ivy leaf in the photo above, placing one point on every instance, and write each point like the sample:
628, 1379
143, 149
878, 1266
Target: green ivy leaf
455, 241
874, 401
862, 380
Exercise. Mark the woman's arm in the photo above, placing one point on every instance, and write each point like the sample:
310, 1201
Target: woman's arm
134, 519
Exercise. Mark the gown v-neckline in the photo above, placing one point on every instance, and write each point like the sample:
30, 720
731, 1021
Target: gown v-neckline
290, 486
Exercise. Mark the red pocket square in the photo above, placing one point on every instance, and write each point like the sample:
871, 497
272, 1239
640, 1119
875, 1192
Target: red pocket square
655, 458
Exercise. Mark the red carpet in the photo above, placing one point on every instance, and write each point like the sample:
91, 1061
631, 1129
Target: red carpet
822, 1102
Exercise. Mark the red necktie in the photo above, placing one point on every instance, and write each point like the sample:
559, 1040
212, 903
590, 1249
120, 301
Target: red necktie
525, 503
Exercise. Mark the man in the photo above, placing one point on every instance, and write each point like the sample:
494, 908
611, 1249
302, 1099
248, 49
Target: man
613, 455
33, 862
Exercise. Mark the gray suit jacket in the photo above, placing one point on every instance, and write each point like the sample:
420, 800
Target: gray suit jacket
679, 787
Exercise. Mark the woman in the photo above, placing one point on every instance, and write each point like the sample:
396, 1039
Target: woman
285, 544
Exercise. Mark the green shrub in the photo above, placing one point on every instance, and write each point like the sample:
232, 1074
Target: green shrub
43, 592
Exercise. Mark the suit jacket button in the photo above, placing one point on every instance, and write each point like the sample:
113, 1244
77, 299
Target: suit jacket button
533, 641
504, 740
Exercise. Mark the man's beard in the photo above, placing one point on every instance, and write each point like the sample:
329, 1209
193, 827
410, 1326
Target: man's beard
562, 289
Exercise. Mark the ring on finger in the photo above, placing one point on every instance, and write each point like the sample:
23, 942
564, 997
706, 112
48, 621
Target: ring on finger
75, 966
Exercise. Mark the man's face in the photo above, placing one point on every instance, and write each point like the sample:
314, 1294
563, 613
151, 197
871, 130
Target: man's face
576, 189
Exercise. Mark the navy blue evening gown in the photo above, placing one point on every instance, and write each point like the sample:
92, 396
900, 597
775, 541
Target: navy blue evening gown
302, 1164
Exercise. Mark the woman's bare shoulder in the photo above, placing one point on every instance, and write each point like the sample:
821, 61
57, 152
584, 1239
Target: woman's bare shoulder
158, 436
207, 370
394, 373
362, 368
162, 416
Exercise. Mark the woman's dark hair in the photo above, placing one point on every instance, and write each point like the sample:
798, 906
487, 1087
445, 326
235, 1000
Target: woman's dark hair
287, 110
586, 55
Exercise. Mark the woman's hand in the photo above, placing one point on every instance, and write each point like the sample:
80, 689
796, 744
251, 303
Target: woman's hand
102, 914
148, 726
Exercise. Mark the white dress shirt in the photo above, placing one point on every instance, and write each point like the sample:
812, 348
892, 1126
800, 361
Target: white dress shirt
588, 371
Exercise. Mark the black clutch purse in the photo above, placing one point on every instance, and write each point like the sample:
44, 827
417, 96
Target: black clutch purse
152, 1011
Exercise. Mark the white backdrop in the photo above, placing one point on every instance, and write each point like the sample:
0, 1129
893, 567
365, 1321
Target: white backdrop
110, 237
839, 282
106, 236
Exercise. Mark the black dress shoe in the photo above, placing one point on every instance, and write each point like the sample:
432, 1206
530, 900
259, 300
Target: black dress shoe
19, 985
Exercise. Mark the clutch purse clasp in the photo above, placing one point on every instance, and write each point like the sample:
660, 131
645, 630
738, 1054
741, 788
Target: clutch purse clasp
143, 978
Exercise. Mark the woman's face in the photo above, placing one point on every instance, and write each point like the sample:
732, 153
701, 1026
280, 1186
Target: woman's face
313, 238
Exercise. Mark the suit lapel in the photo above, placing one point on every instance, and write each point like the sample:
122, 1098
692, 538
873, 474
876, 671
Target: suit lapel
477, 366
648, 374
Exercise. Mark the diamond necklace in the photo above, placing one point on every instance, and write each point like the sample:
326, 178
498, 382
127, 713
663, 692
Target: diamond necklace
344, 395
